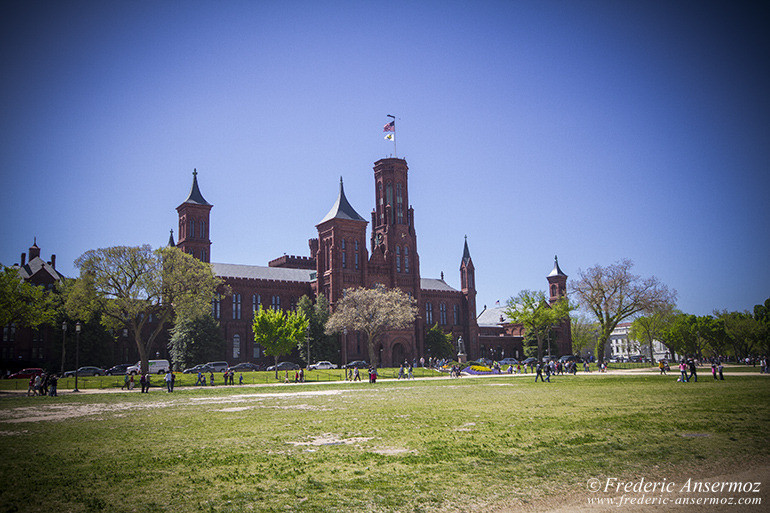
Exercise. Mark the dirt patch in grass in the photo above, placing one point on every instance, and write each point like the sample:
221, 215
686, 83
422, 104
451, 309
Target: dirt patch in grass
332, 439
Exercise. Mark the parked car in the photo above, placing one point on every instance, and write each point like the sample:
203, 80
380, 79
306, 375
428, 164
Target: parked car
117, 370
284, 366
361, 364
201, 367
245, 367
567, 358
155, 367
219, 366
26, 373
322, 365
86, 371
508, 361
530, 360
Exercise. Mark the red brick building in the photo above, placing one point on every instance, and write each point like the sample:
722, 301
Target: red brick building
341, 257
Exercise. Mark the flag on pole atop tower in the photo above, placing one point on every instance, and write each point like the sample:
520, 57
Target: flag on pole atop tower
390, 127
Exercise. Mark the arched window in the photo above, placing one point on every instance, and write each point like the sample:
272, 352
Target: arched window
442, 313
236, 306
216, 306
344, 255
203, 229
191, 232
389, 201
429, 313
398, 259
356, 253
406, 259
256, 302
276, 304
399, 205
456, 311
236, 346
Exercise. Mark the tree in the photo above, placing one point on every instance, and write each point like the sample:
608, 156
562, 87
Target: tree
531, 309
648, 328
131, 285
322, 346
742, 330
612, 294
278, 331
762, 316
372, 312
194, 340
439, 344
584, 335
23, 303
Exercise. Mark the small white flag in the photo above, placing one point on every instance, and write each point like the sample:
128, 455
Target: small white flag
390, 137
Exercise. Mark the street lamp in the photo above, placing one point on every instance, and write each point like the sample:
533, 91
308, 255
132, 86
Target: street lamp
63, 342
77, 354
307, 339
344, 355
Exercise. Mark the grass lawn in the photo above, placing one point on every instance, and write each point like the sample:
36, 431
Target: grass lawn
425, 445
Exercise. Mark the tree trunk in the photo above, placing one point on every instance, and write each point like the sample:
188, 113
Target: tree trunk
145, 365
275, 358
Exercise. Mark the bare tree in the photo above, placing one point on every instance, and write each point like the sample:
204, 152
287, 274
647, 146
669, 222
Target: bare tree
613, 294
373, 312
649, 328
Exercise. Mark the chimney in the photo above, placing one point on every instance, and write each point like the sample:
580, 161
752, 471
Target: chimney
23, 259
53, 262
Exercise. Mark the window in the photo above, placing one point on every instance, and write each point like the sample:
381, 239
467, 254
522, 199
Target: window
256, 302
236, 306
406, 259
203, 229
399, 205
456, 312
429, 313
204, 256
257, 350
442, 313
398, 259
191, 231
236, 346
389, 201
356, 254
216, 306
276, 304
380, 206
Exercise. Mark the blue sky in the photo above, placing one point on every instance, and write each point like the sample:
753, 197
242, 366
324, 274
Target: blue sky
595, 130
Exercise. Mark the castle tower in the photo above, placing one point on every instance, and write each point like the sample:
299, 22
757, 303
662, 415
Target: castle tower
194, 224
341, 254
557, 282
395, 261
468, 287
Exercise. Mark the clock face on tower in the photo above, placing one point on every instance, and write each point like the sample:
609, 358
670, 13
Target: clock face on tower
378, 239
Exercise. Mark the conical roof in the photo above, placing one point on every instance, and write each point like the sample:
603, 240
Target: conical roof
342, 209
171, 240
466, 252
556, 271
195, 193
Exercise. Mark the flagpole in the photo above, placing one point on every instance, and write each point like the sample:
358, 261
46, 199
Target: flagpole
395, 152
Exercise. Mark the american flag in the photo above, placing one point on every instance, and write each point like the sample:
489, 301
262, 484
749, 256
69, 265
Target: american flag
390, 127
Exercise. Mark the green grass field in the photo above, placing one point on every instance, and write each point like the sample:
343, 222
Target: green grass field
425, 445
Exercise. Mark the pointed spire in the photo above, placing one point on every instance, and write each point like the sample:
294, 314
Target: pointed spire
195, 193
466, 252
342, 209
171, 240
556, 271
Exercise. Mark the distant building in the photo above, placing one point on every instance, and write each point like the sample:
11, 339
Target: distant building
21, 345
622, 346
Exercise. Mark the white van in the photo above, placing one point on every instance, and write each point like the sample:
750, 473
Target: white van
219, 366
155, 367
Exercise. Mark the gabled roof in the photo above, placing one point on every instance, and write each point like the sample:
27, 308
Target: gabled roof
195, 196
556, 271
434, 284
342, 209
258, 272
35, 266
491, 316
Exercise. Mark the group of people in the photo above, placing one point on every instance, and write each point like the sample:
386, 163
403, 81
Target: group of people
691, 365
228, 375
406, 371
43, 384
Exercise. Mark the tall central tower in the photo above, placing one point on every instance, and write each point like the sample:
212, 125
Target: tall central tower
393, 240
194, 224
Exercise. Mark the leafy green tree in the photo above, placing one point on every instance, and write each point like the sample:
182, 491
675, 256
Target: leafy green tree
584, 335
742, 331
372, 312
439, 344
648, 328
129, 285
195, 340
613, 294
762, 316
322, 346
23, 303
531, 309
278, 331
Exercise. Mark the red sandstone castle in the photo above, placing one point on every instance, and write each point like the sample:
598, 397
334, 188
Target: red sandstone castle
341, 258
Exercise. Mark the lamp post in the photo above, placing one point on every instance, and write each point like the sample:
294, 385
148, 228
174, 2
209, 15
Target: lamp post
307, 339
63, 345
344, 356
77, 354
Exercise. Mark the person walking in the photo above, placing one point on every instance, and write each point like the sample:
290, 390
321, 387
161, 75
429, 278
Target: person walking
693, 370
719, 368
356, 375
548, 372
683, 371
714, 370
662, 367
143, 383
411, 372
54, 385
539, 370
126, 380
